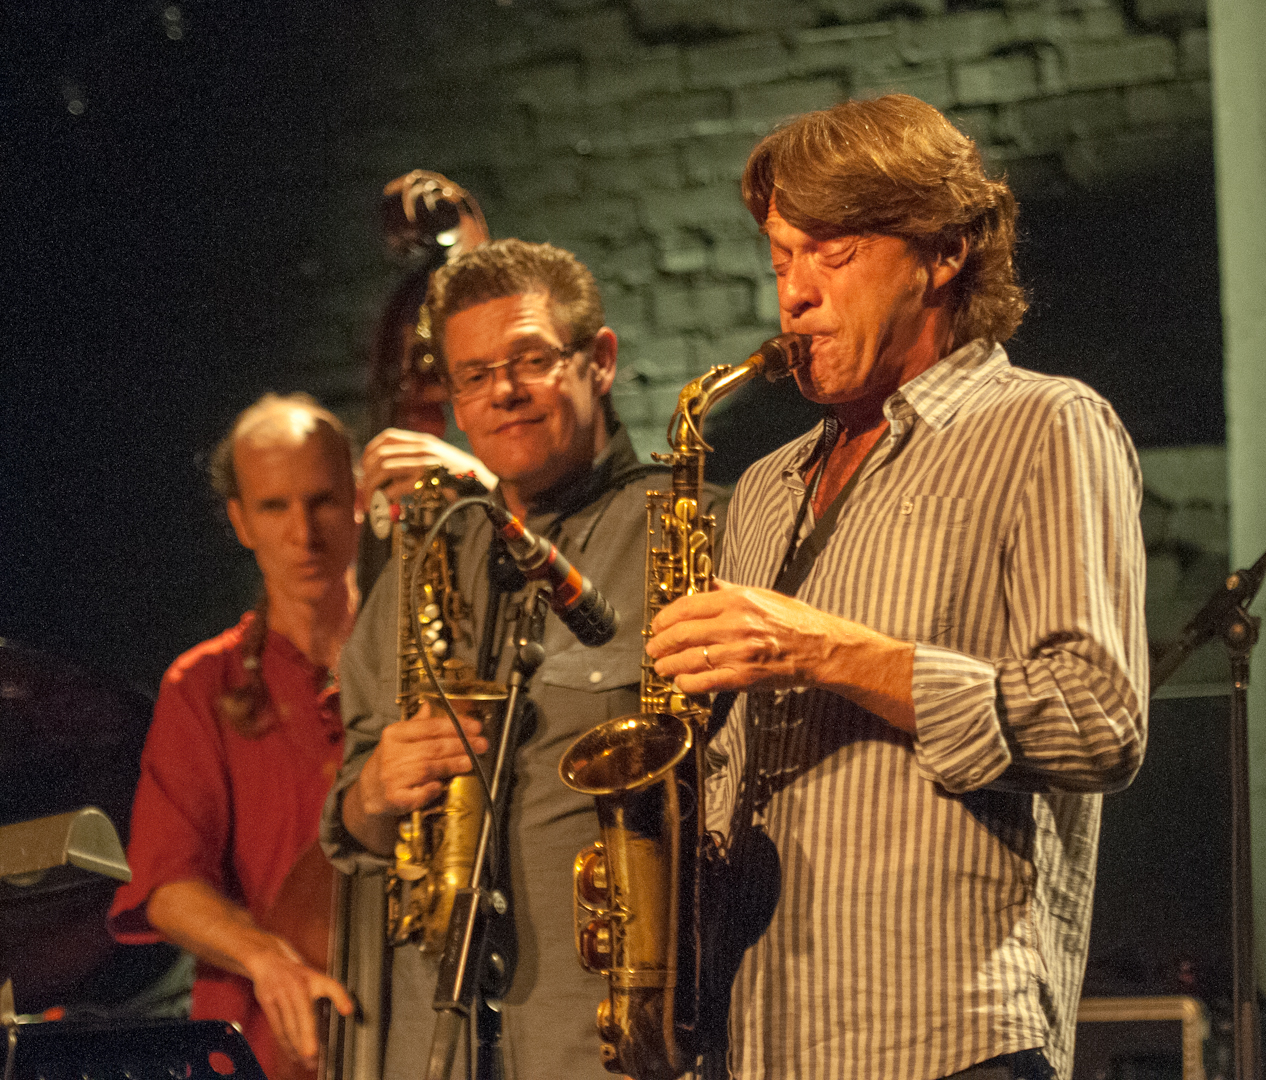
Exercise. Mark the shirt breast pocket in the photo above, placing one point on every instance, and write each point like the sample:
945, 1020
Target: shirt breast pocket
613, 671
910, 566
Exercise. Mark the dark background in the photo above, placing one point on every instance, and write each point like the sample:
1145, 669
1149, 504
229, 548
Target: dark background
150, 276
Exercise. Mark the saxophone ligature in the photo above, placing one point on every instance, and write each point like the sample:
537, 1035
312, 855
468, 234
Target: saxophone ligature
639, 891
435, 853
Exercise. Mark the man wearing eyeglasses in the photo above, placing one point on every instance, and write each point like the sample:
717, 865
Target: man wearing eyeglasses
529, 362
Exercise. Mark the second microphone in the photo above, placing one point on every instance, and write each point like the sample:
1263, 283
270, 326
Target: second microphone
581, 607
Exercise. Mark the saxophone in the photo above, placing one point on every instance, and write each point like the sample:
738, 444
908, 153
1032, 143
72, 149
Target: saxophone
638, 893
436, 850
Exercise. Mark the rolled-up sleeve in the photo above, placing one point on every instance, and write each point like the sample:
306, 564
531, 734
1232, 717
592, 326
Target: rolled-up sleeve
1066, 707
181, 815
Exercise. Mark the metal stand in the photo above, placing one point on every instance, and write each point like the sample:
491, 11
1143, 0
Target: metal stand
465, 958
1225, 615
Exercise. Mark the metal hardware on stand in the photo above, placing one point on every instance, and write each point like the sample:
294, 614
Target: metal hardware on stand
458, 1000
1225, 615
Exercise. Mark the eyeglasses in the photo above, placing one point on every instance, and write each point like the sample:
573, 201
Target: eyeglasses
533, 366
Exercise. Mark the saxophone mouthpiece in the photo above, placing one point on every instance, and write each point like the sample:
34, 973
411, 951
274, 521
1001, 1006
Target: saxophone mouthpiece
781, 355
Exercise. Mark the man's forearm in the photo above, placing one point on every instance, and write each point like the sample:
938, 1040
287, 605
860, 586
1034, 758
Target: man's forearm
194, 916
213, 928
377, 832
875, 671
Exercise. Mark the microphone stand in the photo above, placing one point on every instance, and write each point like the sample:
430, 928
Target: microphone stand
457, 998
1225, 615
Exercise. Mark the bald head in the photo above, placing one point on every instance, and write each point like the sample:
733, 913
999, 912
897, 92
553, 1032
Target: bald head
279, 423
285, 471
276, 421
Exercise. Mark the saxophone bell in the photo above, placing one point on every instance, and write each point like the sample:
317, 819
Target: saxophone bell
631, 767
612, 762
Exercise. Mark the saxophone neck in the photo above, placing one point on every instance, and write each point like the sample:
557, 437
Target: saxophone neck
775, 359
685, 429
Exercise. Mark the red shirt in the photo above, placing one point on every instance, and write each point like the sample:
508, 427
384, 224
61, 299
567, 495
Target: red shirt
235, 812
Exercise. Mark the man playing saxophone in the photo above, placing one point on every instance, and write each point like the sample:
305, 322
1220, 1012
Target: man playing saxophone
529, 364
951, 664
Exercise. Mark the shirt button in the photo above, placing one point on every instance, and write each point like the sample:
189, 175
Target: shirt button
907, 507
595, 676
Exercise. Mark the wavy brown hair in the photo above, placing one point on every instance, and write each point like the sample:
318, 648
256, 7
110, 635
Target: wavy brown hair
896, 166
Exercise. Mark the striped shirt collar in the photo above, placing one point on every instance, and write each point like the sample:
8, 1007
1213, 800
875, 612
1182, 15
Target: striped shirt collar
934, 396
938, 393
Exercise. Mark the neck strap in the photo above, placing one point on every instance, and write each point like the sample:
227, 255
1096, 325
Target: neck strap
800, 557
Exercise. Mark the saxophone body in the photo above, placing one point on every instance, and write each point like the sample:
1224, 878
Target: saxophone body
435, 853
639, 891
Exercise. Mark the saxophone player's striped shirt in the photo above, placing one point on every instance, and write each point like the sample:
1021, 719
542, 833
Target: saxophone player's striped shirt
935, 892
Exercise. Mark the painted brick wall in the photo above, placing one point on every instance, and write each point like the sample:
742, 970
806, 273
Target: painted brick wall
619, 130
1185, 531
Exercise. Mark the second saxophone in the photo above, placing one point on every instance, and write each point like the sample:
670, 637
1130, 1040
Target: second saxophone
436, 850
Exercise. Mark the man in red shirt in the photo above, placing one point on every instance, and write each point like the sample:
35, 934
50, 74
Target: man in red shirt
247, 739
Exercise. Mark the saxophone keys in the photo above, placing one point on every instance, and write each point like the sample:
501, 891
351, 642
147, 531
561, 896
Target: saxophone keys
610, 1034
590, 898
594, 944
591, 877
408, 866
686, 510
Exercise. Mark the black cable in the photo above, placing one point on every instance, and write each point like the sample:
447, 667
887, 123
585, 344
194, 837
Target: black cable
478, 770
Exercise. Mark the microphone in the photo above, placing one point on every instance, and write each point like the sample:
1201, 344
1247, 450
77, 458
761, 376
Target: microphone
584, 610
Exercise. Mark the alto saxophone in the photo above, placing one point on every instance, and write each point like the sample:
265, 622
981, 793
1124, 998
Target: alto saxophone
638, 891
436, 849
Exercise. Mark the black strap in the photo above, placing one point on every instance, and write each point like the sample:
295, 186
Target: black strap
799, 559
830, 436
796, 565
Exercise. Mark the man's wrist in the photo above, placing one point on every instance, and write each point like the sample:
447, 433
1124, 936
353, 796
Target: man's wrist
360, 794
876, 671
263, 953
374, 829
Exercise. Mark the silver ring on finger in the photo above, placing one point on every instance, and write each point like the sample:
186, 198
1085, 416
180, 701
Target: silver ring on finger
706, 659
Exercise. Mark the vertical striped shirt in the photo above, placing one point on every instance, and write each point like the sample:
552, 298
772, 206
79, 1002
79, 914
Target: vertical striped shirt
935, 890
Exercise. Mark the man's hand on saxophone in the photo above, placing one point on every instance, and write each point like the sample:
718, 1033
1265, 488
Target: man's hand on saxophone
406, 771
741, 638
395, 458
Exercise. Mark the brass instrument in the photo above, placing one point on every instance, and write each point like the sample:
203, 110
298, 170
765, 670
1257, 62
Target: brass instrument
436, 850
638, 890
